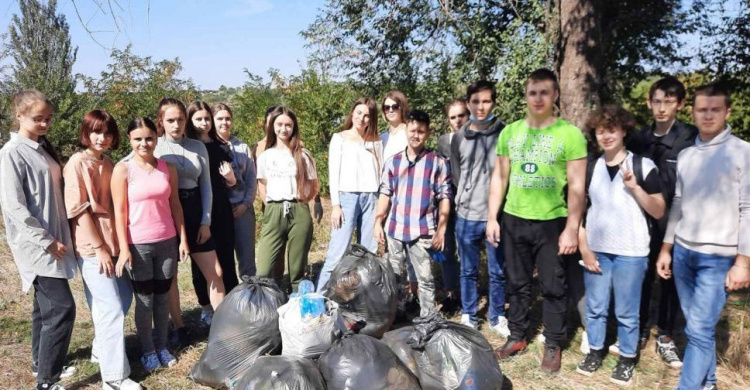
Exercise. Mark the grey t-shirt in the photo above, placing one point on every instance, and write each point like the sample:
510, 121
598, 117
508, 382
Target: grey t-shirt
190, 158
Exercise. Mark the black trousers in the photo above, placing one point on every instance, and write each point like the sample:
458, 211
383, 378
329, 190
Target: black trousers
222, 232
52, 323
669, 302
529, 243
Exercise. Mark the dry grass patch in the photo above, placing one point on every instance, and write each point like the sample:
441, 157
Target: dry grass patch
522, 372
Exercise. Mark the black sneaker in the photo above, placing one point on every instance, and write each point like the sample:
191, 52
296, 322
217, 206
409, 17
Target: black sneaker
667, 350
624, 372
592, 362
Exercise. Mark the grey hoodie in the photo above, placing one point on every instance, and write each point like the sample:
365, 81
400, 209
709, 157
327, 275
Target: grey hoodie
472, 160
711, 207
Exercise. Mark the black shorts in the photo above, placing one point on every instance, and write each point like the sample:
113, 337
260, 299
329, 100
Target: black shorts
192, 210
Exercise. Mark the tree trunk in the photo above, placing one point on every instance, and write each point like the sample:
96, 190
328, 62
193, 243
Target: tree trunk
580, 62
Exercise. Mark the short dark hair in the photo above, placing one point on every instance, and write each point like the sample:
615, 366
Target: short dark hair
481, 85
419, 116
608, 117
714, 89
544, 74
671, 87
98, 121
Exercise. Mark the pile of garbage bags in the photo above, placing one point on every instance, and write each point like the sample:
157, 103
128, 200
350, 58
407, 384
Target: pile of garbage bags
364, 286
331, 340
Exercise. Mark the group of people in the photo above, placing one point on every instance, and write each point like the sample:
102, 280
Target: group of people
538, 194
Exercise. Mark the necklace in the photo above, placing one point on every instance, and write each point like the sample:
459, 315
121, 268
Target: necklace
181, 161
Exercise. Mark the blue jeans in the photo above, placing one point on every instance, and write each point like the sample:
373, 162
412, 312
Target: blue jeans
109, 300
450, 267
359, 212
469, 236
699, 279
623, 276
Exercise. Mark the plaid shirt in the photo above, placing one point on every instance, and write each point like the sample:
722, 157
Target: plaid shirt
416, 188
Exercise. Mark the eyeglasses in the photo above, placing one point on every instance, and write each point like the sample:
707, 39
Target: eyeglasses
392, 107
457, 116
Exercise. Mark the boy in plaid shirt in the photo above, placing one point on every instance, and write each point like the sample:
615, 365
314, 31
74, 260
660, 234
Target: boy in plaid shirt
417, 185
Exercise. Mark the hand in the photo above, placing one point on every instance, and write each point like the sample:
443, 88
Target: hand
124, 260
318, 211
568, 241
239, 210
204, 233
226, 171
663, 264
739, 275
184, 250
590, 262
493, 232
438, 240
379, 233
57, 249
628, 177
337, 217
106, 266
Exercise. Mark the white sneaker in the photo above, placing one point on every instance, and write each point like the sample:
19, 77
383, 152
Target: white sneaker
207, 315
540, 338
466, 320
123, 384
614, 349
585, 349
501, 327
67, 371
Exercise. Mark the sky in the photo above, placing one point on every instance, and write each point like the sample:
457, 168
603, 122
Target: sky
215, 40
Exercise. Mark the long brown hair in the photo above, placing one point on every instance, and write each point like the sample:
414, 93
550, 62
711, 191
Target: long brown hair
371, 133
306, 186
400, 99
190, 130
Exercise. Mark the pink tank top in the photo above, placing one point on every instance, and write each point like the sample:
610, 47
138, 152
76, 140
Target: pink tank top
149, 215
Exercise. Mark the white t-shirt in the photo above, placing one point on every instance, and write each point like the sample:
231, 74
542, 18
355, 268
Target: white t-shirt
397, 143
278, 168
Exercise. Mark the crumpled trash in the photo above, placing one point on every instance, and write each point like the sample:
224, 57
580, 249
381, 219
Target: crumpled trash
364, 285
281, 373
446, 355
363, 362
244, 327
306, 335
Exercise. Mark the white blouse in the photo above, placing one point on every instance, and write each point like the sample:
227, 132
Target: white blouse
353, 166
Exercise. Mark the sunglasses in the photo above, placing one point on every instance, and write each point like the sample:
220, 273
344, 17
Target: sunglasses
457, 116
392, 107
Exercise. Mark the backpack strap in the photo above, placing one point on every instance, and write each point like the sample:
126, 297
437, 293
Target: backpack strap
638, 169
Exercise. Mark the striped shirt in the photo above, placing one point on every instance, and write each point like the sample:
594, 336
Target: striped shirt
415, 188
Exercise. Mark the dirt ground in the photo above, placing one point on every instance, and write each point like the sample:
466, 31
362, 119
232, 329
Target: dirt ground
521, 372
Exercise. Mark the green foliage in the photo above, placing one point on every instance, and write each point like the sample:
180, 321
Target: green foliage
41, 57
132, 86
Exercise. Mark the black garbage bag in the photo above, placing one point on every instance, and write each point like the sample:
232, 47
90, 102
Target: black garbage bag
363, 362
364, 284
447, 355
281, 373
245, 326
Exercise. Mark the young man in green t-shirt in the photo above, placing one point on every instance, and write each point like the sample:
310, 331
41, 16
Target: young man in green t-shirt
536, 158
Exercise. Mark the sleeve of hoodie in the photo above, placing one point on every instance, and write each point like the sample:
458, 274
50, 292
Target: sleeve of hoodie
455, 157
675, 213
743, 241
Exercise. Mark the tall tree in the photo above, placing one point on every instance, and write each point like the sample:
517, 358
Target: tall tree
41, 54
